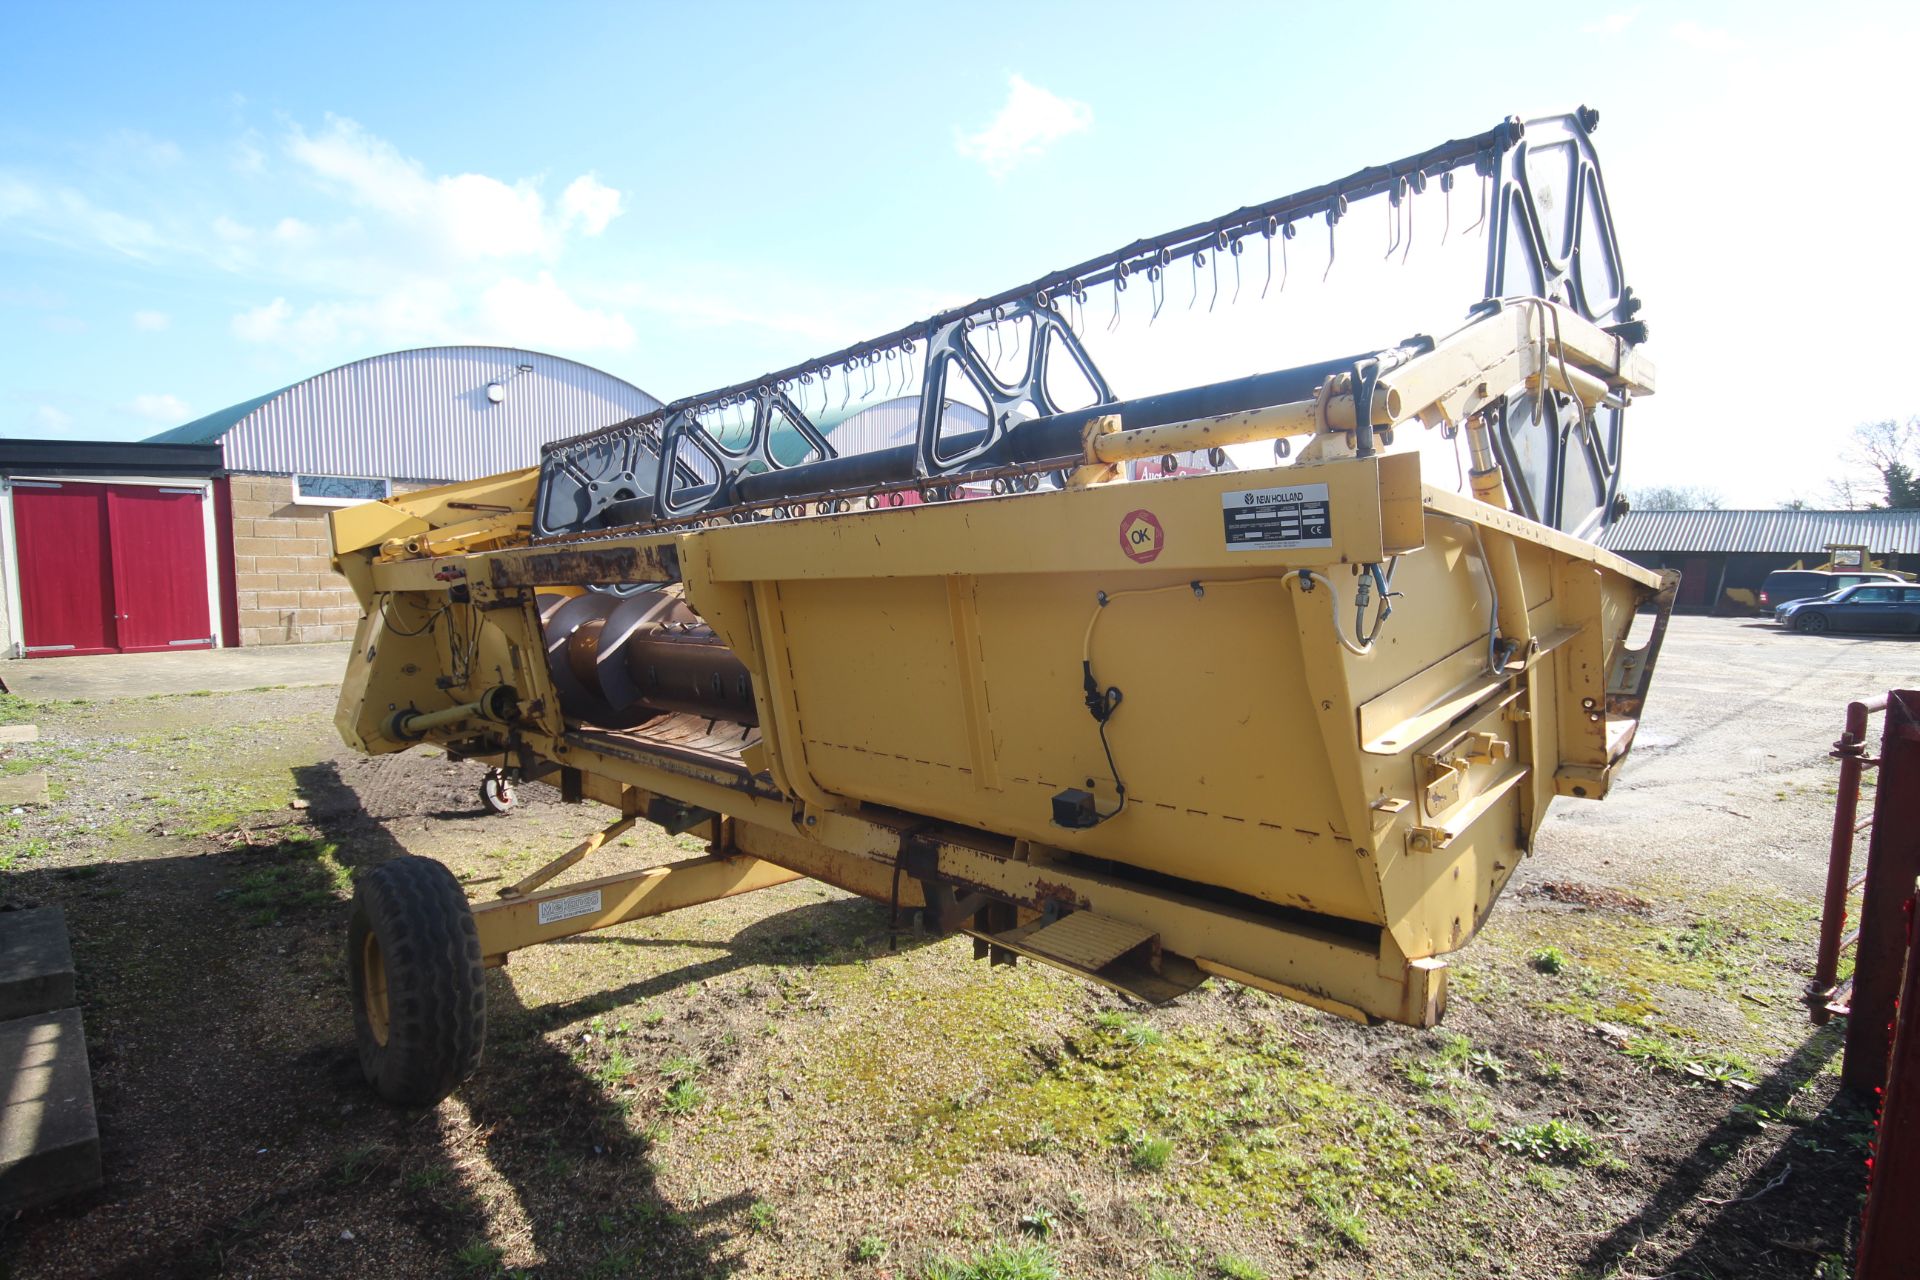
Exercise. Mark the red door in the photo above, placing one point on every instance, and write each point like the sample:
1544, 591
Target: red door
159, 567
66, 596
110, 568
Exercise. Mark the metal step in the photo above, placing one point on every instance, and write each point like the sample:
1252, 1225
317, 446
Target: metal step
1114, 953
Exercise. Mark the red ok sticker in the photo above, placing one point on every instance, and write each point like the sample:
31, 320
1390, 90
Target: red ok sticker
1141, 536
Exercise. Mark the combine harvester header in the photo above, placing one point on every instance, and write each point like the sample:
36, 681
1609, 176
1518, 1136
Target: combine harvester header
1292, 726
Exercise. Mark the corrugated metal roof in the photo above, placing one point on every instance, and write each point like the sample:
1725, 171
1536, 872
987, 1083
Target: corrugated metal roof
209, 429
419, 415
1793, 533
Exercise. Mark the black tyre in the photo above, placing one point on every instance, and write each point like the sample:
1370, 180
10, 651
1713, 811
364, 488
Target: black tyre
1811, 623
419, 989
497, 792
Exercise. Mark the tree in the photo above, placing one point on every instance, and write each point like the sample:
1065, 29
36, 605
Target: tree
1683, 497
1885, 461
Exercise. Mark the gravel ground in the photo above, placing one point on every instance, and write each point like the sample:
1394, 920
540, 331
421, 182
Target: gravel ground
761, 1087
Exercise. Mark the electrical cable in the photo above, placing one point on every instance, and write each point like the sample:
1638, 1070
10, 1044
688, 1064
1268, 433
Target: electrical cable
386, 612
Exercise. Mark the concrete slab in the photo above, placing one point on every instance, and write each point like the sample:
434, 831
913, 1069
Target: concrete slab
49, 1135
136, 675
18, 789
36, 962
19, 733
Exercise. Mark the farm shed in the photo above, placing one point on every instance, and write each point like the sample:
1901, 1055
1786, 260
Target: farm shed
1724, 556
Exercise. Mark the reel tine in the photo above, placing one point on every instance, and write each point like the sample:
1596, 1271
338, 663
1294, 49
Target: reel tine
1236, 248
1266, 233
1418, 185
1486, 190
1446, 189
1334, 212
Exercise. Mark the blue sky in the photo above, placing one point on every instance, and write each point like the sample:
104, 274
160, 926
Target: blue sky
201, 203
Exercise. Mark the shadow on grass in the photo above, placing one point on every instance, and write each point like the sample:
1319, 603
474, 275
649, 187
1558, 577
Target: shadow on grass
238, 1135
584, 1180
1798, 1207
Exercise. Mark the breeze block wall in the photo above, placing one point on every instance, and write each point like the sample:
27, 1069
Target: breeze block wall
284, 583
283, 575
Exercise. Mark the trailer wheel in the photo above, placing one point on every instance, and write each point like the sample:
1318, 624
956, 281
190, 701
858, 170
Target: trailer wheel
419, 990
497, 793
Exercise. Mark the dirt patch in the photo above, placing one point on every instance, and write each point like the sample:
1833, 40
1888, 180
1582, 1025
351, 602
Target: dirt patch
1591, 896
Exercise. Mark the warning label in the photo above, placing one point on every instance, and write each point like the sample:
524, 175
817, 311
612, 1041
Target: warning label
1295, 516
554, 910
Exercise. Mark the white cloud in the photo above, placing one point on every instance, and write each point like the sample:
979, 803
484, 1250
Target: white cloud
510, 311
471, 215
1613, 23
246, 155
65, 216
590, 203
146, 149
539, 313
162, 408
151, 321
1031, 121
265, 323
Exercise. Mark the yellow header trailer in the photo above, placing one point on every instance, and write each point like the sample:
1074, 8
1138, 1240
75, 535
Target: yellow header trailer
1292, 726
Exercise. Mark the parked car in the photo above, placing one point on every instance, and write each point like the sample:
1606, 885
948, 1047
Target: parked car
1784, 585
1873, 607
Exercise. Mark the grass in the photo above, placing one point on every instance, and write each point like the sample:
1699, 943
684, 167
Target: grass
1549, 959
681, 1067
762, 1217
1231, 1266
682, 1097
1557, 1141
1131, 1030
1709, 1066
1146, 1154
997, 1262
477, 1258
15, 709
307, 874
1342, 1220
1259, 1131
870, 1248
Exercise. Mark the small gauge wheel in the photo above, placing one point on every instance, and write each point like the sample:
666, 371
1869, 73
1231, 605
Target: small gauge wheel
497, 793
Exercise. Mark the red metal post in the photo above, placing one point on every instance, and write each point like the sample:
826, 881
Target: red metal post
1890, 1231
1850, 750
1893, 863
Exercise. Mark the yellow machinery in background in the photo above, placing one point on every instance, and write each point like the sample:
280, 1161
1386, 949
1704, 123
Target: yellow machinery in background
1292, 726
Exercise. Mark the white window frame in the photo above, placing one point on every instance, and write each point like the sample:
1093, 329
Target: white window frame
316, 500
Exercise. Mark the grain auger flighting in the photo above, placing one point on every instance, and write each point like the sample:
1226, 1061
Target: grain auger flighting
908, 619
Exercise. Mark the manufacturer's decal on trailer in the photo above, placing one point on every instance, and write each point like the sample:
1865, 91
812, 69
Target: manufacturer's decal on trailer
1293, 516
578, 904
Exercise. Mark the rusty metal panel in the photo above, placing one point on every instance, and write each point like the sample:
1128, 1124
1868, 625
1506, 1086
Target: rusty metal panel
583, 566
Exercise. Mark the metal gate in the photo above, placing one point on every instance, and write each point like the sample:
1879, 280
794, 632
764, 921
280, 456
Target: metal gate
1881, 999
111, 568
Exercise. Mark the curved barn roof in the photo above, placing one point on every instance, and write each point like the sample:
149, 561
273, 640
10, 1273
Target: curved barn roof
420, 414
